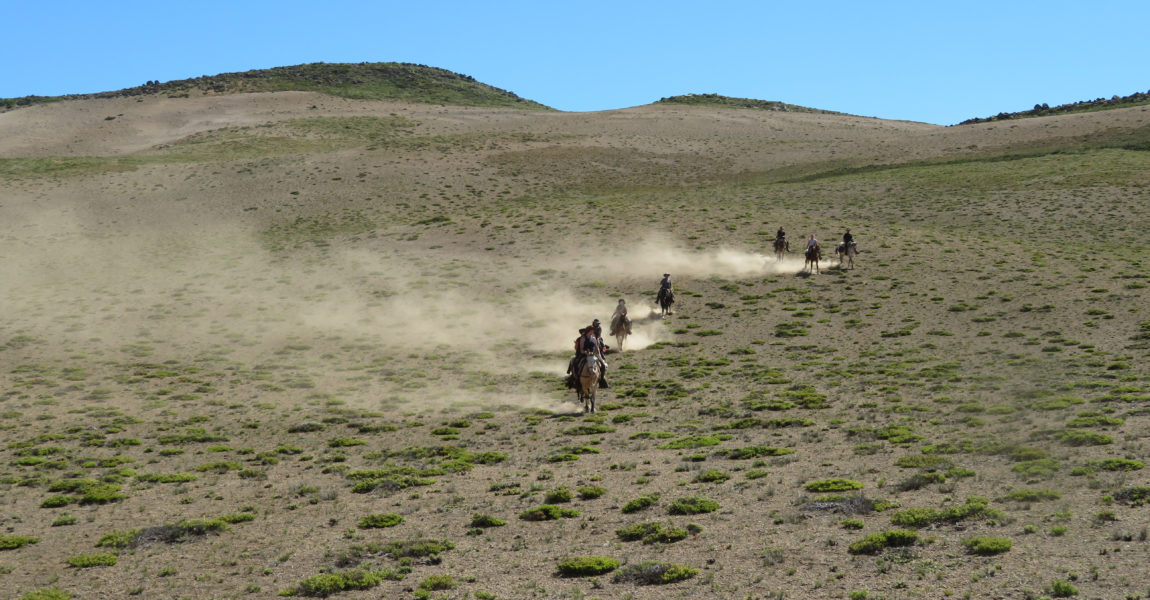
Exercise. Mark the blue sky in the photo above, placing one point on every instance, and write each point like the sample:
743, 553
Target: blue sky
937, 62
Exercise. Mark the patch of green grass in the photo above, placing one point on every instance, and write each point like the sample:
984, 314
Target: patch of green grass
378, 521
84, 561
692, 505
877, 542
548, 512
587, 566
833, 485
640, 503
12, 542
698, 441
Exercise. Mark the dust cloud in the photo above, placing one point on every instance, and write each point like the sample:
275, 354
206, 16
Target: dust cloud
191, 293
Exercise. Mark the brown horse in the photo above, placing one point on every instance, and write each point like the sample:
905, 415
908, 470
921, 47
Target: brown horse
782, 246
589, 382
813, 254
620, 328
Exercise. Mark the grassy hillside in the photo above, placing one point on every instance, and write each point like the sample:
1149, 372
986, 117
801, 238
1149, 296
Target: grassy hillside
365, 81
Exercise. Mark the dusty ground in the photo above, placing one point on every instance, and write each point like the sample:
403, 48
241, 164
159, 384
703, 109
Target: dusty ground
291, 289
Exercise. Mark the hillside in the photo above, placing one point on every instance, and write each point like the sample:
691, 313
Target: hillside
288, 343
365, 81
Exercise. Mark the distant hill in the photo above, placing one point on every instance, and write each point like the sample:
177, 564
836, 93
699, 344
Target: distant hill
717, 100
366, 81
1044, 110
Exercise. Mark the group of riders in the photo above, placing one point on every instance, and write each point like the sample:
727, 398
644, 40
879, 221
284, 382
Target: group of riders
590, 341
812, 243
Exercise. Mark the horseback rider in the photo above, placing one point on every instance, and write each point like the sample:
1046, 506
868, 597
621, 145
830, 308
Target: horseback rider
593, 346
576, 361
812, 243
848, 239
620, 318
780, 235
598, 332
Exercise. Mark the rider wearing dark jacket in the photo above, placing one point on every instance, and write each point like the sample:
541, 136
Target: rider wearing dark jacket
848, 239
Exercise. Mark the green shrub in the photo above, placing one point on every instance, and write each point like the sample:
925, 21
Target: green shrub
693, 505
548, 512
16, 541
833, 485
1117, 464
914, 517
119, 539
877, 542
378, 521
590, 492
243, 517
102, 494
652, 533
1060, 588
852, 524
326, 584
558, 496
84, 561
486, 521
587, 566
437, 582
640, 503
64, 520
1134, 496
1078, 437
712, 476
987, 546
654, 573
57, 501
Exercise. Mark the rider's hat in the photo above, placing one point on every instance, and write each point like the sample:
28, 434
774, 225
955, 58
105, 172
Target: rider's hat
666, 274
595, 321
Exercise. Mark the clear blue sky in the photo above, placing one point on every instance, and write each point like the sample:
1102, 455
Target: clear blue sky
938, 62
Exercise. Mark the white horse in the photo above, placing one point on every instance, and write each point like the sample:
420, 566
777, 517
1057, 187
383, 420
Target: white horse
847, 252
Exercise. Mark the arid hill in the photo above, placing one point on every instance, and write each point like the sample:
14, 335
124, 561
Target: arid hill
312, 342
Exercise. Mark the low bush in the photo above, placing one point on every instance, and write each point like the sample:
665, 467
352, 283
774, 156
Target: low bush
84, 561
590, 492
12, 542
548, 512
326, 584
877, 542
654, 573
640, 503
987, 546
693, 505
479, 520
587, 566
379, 521
833, 485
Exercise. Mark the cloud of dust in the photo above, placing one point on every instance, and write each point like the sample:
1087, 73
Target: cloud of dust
189, 292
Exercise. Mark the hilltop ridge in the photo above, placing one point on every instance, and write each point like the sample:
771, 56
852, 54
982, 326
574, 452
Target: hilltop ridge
363, 81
